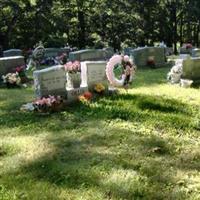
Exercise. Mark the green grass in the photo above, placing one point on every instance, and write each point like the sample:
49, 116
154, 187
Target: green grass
141, 144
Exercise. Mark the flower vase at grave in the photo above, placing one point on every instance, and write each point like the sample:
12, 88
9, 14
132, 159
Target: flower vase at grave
73, 80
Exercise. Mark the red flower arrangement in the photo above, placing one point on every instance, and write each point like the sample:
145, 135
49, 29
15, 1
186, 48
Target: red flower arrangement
21, 72
188, 46
85, 97
151, 62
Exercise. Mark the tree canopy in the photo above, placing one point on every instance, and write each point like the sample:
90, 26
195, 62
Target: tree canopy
89, 23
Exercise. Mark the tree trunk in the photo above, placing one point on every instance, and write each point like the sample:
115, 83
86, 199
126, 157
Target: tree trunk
81, 29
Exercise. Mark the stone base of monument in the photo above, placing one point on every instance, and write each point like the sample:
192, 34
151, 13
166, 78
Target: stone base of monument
73, 94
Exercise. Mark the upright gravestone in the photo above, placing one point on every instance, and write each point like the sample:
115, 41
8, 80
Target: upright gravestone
191, 69
196, 52
87, 55
50, 81
12, 52
93, 73
7, 64
109, 52
142, 55
53, 52
127, 51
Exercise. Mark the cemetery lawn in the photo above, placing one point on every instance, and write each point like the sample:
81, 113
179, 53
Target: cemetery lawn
141, 144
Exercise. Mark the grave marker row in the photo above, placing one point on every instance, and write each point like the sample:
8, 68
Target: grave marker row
53, 80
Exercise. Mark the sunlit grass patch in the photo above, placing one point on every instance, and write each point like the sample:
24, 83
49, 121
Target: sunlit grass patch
140, 144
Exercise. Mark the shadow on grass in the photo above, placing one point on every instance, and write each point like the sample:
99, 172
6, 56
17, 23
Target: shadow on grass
150, 77
137, 168
91, 162
140, 108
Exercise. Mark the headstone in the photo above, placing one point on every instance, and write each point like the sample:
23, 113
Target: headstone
50, 81
93, 72
184, 50
7, 64
196, 52
127, 51
87, 55
191, 69
141, 55
109, 52
12, 52
53, 52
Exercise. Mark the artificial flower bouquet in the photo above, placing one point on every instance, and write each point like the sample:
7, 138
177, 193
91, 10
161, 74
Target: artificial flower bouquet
21, 72
73, 67
151, 62
99, 88
48, 104
12, 80
188, 46
73, 70
85, 97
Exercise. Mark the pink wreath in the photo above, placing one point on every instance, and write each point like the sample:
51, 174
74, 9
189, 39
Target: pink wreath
116, 59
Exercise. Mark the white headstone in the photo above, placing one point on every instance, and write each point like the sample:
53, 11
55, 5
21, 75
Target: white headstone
93, 73
50, 81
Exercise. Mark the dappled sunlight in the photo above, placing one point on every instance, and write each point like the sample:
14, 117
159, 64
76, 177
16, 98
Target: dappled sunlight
130, 145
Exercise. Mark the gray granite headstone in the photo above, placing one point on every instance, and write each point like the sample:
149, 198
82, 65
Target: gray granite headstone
191, 69
196, 52
109, 52
53, 52
141, 55
87, 55
12, 52
184, 50
50, 81
127, 51
7, 64
93, 72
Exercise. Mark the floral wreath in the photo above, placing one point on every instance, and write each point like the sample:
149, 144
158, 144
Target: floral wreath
127, 74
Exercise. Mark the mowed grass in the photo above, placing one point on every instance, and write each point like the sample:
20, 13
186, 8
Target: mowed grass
140, 144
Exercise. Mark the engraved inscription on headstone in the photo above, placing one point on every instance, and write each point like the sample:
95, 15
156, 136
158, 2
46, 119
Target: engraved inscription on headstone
50, 81
93, 73
73, 94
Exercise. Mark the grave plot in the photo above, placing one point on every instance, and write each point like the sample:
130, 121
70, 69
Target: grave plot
77, 81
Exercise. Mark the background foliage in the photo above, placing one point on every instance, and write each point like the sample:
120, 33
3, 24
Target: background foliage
116, 23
